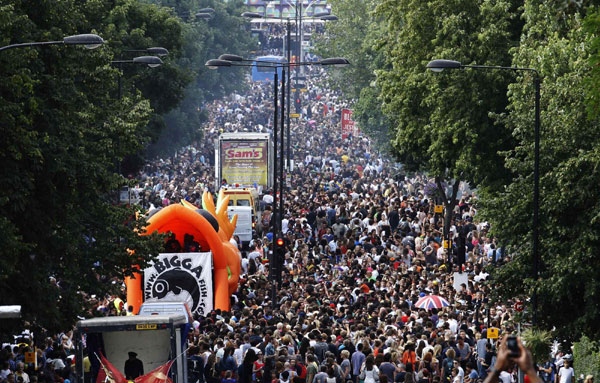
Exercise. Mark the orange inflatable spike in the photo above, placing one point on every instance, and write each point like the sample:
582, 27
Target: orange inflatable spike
207, 203
222, 205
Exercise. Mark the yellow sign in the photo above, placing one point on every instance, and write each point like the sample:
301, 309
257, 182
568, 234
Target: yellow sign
245, 162
303, 90
30, 357
294, 115
293, 89
145, 327
438, 209
446, 244
492, 333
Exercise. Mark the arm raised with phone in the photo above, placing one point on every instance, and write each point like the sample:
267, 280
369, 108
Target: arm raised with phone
517, 354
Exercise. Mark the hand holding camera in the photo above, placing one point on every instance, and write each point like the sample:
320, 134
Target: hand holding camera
512, 351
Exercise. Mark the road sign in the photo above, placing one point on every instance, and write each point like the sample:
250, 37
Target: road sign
30, 357
438, 209
294, 115
519, 306
446, 244
492, 333
293, 89
303, 90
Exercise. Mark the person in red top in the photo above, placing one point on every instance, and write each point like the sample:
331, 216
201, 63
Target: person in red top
409, 355
257, 369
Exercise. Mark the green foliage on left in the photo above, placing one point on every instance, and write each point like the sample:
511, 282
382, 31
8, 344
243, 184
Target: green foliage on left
63, 129
227, 32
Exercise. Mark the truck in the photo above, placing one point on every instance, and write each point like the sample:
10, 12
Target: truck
245, 226
156, 339
244, 160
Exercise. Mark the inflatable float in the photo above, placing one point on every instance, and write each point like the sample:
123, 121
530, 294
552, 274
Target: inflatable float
213, 230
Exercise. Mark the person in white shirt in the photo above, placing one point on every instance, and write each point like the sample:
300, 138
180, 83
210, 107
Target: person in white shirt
566, 373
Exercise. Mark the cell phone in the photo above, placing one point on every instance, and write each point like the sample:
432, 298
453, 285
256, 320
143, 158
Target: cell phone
513, 346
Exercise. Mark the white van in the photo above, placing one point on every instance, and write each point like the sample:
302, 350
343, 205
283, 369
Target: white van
245, 223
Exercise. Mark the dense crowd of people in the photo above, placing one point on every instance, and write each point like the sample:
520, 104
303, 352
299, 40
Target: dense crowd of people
363, 245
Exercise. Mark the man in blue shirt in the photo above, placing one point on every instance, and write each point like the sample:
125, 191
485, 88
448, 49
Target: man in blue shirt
358, 358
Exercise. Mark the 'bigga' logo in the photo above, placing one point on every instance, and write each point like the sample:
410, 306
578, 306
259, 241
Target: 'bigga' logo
244, 153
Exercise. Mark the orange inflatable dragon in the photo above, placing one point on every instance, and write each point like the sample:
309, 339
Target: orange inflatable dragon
213, 230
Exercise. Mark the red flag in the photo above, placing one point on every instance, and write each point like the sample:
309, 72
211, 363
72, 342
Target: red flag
109, 373
158, 375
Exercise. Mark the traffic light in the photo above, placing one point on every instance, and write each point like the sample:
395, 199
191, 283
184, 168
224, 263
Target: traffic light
298, 105
279, 257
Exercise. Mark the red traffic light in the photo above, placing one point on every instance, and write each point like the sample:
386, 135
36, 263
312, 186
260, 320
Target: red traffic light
280, 242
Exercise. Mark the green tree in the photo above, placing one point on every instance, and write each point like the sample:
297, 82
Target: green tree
586, 355
568, 285
63, 129
442, 121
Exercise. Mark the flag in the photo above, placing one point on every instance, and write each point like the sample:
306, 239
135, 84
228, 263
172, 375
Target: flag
158, 375
108, 372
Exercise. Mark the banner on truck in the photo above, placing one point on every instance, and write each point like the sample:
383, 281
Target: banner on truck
244, 162
181, 277
348, 125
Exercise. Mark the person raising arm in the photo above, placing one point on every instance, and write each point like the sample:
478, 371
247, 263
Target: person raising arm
504, 362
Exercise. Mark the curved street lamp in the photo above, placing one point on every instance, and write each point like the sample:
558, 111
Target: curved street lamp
438, 66
89, 40
153, 51
204, 15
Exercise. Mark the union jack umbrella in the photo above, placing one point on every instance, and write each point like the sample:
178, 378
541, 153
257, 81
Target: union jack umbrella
429, 302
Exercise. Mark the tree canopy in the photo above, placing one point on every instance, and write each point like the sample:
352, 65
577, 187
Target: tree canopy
66, 133
478, 126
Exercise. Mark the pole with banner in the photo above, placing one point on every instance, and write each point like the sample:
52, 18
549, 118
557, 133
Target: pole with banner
347, 124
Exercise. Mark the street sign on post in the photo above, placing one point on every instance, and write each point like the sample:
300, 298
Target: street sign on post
519, 306
492, 333
438, 209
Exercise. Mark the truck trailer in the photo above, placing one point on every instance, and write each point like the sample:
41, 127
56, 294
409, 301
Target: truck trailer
244, 159
156, 339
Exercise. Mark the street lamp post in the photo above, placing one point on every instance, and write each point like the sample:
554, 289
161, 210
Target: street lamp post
228, 60
152, 62
325, 16
90, 41
440, 65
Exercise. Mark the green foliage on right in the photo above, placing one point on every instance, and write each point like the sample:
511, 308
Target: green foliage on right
586, 357
555, 42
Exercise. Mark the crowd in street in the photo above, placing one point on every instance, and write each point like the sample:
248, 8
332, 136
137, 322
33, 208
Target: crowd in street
363, 245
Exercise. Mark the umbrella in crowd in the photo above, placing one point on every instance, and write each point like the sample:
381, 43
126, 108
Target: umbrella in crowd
429, 302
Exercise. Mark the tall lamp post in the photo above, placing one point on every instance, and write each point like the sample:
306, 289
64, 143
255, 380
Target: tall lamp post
90, 41
152, 62
228, 60
440, 65
287, 46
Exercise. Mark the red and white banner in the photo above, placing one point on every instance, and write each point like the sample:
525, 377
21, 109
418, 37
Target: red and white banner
348, 126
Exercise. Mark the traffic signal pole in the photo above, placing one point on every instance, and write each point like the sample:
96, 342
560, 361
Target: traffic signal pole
289, 85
